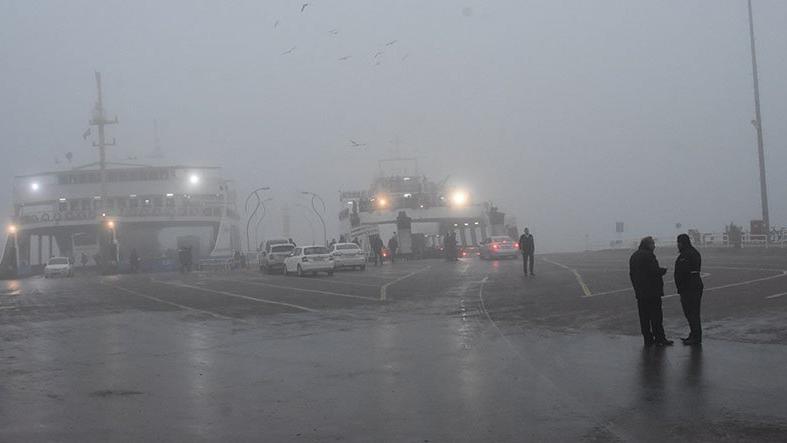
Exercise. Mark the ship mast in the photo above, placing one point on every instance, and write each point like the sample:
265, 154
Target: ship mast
99, 120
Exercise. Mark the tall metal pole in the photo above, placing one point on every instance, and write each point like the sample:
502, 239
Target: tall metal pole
100, 121
246, 208
758, 126
324, 230
259, 222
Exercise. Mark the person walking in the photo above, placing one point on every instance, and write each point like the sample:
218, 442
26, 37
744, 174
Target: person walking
377, 249
647, 278
393, 245
133, 260
688, 279
528, 248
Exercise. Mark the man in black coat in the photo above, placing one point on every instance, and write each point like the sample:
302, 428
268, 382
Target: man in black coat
527, 246
646, 277
689, 283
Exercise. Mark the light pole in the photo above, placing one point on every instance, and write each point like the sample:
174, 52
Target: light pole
246, 208
758, 126
259, 222
306, 217
324, 231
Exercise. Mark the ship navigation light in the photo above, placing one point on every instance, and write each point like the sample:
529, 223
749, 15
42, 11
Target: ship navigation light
194, 179
12, 229
35, 186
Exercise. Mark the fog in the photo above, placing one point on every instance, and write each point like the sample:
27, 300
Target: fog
571, 115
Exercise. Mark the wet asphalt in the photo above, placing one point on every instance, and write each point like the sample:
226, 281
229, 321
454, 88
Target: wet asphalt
415, 351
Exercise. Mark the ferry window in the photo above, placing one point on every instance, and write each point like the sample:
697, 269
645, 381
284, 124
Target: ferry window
157, 202
133, 203
62, 206
170, 202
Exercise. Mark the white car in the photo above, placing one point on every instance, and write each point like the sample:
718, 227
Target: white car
308, 259
498, 246
348, 255
58, 267
274, 255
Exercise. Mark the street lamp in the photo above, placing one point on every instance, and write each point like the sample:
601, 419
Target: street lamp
324, 231
254, 193
259, 222
306, 217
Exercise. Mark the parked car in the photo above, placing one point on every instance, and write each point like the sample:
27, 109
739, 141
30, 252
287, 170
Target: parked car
308, 259
497, 247
58, 267
272, 258
348, 255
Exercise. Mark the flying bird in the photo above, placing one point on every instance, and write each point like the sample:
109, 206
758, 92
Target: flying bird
304, 6
405, 56
289, 51
334, 31
378, 53
355, 144
346, 57
392, 42
276, 24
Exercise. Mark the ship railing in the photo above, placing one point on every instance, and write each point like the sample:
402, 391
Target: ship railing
56, 217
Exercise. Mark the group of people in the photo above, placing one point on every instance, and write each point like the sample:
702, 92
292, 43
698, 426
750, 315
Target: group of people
647, 277
378, 248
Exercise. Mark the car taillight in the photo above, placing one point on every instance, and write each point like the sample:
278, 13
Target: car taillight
495, 246
516, 245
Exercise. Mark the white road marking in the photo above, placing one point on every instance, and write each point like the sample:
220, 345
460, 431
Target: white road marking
585, 289
315, 291
384, 288
245, 297
189, 308
776, 295
7, 307
742, 283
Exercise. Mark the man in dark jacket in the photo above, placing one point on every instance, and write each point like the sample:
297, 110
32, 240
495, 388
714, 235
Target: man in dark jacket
689, 283
528, 248
377, 249
646, 277
393, 245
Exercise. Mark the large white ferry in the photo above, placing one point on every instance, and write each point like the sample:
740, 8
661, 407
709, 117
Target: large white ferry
101, 212
418, 212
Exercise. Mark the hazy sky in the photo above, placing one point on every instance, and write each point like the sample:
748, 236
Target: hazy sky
569, 114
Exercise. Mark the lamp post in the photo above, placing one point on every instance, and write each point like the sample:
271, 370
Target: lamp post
757, 122
254, 193
324, 231
259, 222
306, 217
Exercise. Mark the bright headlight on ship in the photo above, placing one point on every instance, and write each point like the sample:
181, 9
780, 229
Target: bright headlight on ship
35, 186
382, 202
194, 179
459, 198
12, 229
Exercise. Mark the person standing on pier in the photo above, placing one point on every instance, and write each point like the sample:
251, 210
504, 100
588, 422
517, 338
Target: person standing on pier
527, 246
689, 282
647, 279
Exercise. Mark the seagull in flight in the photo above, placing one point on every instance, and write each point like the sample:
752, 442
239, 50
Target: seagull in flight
346, 57
405, 56
289, 51
334, 31
378, 53
392, 42
355, 144
304, 6
276, 24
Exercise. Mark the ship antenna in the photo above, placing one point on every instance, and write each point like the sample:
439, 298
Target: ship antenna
99, 120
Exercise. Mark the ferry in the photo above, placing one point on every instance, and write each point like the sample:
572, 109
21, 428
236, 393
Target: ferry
418, 212
100, 213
